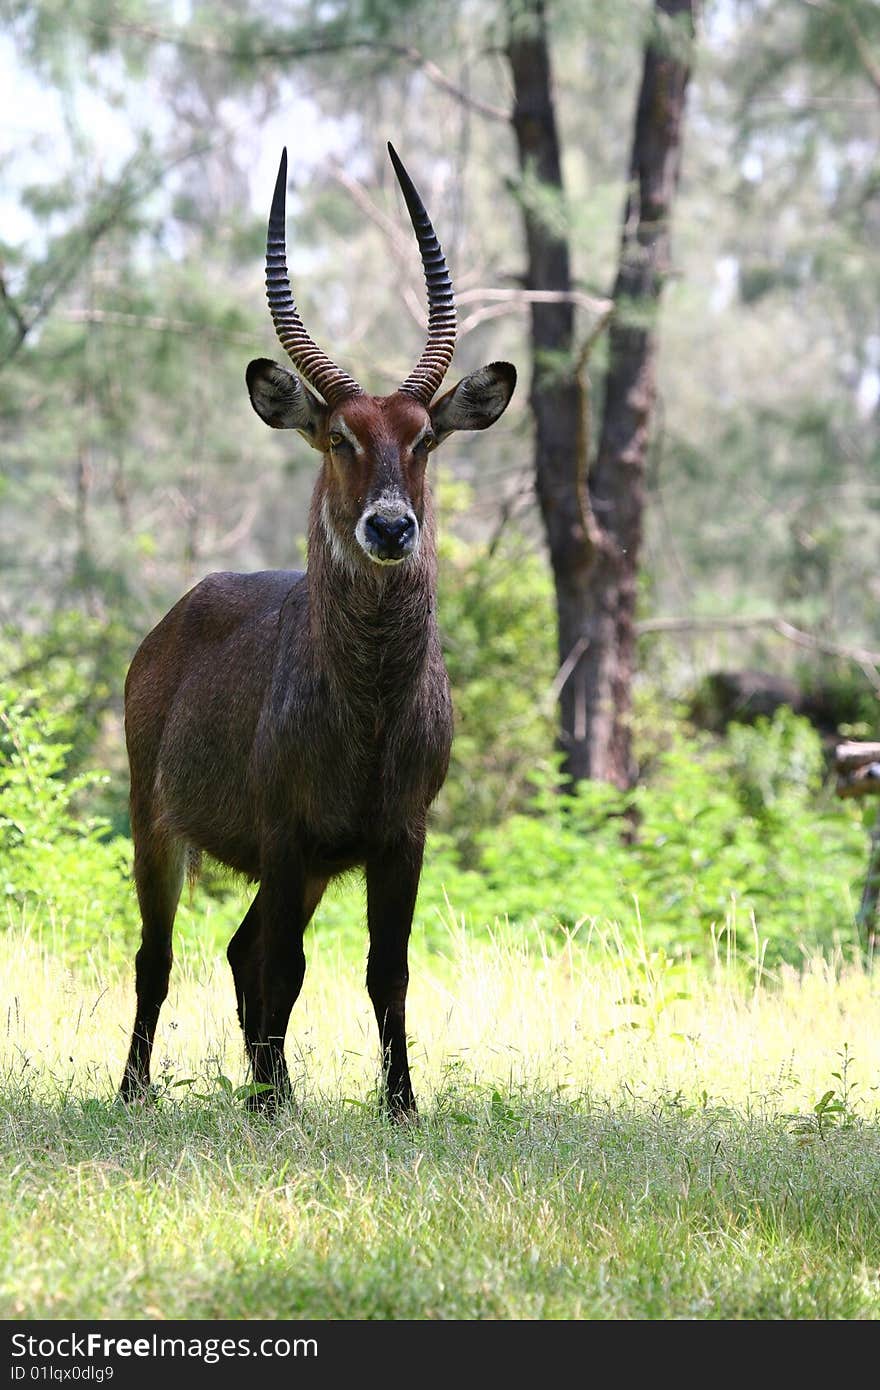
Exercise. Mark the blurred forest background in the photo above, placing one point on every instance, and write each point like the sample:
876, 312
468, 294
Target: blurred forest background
138, 151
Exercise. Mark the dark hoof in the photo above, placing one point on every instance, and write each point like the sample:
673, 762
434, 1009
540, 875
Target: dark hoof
137, 1093
402, 1112
406, 1117
267, 1100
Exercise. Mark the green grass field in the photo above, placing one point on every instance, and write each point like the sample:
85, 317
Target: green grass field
603, 1134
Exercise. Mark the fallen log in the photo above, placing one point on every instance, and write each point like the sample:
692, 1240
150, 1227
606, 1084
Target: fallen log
858, 768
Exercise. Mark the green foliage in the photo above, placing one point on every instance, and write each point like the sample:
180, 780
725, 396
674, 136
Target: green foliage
67, 671
540, 202
736, 834
51, 854
836, 1107
777, 764
849, 701
735, 839
495, 604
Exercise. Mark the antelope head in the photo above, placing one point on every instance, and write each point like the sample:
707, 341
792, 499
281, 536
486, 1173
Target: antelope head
375, 448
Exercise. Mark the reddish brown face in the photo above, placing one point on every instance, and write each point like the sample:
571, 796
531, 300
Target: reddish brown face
376, 453
371, 496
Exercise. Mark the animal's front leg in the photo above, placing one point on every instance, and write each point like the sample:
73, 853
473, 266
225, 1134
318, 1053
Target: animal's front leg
281, 970
392, 884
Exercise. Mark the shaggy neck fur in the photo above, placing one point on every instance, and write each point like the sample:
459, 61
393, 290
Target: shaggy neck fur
371, 625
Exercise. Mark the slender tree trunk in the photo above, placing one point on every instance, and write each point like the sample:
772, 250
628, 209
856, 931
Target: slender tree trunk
594, 529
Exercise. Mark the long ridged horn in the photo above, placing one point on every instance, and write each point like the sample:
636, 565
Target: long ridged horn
334, 384
424, 381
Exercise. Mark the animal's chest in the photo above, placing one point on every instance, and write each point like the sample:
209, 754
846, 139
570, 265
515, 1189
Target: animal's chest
360, 774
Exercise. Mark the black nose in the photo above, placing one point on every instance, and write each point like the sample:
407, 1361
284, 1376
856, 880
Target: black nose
390, 537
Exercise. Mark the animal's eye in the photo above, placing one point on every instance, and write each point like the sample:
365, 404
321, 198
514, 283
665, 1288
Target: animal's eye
337, 439
426, 442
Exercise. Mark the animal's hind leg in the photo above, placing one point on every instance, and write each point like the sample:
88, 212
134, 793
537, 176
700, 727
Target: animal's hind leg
243, 956
159, 866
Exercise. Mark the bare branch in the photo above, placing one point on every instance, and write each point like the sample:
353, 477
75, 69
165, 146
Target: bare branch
400, 244
492, 311
868, 661
520, 297
318, 49
565, 670
501, 302
93, 232
232, 538
598, 536
604, 310
119, 199
849, 756
355, 189
155, 323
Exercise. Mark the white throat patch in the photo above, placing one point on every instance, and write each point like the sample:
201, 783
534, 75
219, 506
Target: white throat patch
337, 549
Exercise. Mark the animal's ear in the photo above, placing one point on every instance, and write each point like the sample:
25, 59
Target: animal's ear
476, 402
284, 402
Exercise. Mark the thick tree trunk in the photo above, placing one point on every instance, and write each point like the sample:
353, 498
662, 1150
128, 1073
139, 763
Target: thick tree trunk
617, 482
555, 398
594, 532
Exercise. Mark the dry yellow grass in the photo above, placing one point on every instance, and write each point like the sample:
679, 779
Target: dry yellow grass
493, 1013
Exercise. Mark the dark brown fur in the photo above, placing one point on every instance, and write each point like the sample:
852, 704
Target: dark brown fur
298, 725
295, 726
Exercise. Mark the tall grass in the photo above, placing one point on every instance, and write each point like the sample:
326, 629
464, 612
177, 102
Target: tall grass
604, 1132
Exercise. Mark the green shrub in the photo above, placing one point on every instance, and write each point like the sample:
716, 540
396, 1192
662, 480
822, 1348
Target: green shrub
52, 852
776, 763
736, 838
497, 620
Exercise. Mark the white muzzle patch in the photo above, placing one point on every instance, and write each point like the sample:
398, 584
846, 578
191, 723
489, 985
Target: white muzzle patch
388, 531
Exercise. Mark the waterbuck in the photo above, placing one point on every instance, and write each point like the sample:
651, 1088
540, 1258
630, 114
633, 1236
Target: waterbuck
297, 725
